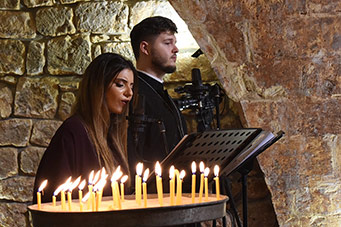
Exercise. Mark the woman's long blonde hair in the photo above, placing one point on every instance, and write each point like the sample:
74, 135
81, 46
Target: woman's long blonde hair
107, 131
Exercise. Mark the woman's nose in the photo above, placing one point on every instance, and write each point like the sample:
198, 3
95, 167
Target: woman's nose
129, 92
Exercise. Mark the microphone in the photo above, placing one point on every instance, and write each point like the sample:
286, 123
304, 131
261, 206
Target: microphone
138, 118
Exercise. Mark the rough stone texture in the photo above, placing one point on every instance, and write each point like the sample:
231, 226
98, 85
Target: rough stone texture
72, 1
36, 97
9, 79
16, 24
43, 131
30, 158
35, 61
69, 54
141, 10
55, 21
37, 3
287, 77
69, 83
12, 57
19, 189
10, 4
15, 132
65, 106
102, 17
120, 48
6, 101
13, 214
8, 162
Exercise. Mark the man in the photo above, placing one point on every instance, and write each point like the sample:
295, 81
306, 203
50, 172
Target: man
153, 42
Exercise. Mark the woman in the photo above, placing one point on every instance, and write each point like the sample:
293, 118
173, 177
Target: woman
95, 135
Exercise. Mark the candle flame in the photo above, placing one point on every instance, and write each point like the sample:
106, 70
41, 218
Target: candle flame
139, 168
201, 166
91, 177
103, 173
194, 167
171, 172
182, 174
117, 174
145, 175
86, 197
216, 170
60, 187
124, 179
96, 178
158, 169
75, 183
100, 185
66, 184
82, 185
207, 171
42, 186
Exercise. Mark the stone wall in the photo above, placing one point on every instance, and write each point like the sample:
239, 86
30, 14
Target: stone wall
45, 45
281, 61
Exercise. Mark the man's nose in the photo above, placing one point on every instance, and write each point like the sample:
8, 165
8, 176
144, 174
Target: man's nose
175, 49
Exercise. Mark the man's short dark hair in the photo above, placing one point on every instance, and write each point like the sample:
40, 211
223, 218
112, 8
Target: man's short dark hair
148, 29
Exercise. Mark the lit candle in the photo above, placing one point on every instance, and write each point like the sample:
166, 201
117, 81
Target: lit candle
98, 188
85, 198
201, 189
144, 186
217, 185
138, 181
90, 186
123, 180
80, 194
206, 172
40, 189
62, 193
177, 175
114, 187
194, 169
159, 183
179, 191
171, 184
55, 193
69, 191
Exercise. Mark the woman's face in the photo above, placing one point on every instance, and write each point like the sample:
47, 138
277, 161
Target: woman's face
120, 92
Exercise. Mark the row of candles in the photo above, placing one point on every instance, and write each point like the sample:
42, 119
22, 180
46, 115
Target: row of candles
96, 183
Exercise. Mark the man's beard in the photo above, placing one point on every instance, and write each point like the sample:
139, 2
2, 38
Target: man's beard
159, 63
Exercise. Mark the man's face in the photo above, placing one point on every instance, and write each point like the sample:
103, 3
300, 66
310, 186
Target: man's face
163, 52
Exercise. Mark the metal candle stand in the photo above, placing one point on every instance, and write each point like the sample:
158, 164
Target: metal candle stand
232, 150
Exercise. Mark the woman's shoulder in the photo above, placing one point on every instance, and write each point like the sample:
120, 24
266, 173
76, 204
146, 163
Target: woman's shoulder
73, 124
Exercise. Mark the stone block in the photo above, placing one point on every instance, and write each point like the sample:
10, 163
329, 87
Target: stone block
12, 55
37, 3
123, 49
66, 104
18, 189
55, 21
320, 6
9, 79
10, 4
69, 83
35, 60
72, 1
13, 214
17, 25
30, 158
6, 101
36, 97
15, 132
142, 10
69, 54
8, 162
102, 17
43, 132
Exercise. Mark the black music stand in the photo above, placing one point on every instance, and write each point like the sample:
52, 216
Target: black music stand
232, 149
